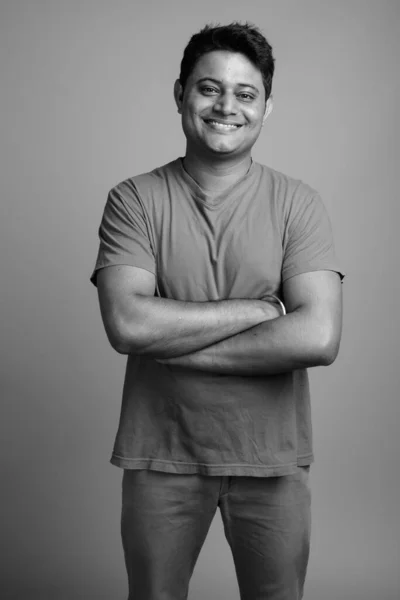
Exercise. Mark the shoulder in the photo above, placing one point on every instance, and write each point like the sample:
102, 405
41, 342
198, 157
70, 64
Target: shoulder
289, 196
284, 186
146, 183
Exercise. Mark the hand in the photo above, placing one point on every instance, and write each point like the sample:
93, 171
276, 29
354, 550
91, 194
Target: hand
273, 307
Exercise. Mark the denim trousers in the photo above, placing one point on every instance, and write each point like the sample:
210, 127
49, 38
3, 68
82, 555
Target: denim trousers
166, 517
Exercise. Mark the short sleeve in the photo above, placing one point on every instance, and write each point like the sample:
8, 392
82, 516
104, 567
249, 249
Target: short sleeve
308, 239
123, 232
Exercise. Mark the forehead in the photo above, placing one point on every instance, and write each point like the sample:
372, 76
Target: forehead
228, 67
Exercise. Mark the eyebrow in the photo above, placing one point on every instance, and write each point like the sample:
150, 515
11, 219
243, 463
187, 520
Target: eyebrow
219, 82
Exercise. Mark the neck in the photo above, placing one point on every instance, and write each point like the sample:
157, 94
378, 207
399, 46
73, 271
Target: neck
213, 175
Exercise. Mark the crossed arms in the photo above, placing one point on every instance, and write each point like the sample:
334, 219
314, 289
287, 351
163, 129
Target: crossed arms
240, 337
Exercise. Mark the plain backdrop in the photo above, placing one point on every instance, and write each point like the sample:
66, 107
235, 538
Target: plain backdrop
86, 101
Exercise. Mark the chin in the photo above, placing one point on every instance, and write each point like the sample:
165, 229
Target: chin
222, 149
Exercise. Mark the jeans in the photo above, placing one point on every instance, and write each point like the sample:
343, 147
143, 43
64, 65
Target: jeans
166, 517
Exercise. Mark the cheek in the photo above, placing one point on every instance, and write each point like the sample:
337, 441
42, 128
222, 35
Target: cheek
196, 105
191, 113
256, 126
255, 117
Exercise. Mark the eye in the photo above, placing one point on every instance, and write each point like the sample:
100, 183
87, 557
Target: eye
245, 96
208, 90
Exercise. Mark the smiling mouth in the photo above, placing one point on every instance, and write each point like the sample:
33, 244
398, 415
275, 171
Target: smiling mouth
221, 126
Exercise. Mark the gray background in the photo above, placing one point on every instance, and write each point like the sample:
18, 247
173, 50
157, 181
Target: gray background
86, 93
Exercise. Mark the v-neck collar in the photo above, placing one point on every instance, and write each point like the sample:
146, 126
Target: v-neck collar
211, 200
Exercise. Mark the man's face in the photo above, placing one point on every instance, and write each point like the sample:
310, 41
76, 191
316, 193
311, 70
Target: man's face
223, 105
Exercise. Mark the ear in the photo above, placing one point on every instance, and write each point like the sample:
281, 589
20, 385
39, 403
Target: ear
178, 95
268, 108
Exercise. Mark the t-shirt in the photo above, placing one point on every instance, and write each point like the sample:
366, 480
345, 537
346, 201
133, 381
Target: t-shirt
242, 243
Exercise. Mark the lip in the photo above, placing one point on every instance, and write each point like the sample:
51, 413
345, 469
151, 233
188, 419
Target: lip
219, 126
222, 121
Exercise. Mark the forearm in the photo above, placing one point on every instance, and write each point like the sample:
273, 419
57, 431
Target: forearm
280, 345
170, 328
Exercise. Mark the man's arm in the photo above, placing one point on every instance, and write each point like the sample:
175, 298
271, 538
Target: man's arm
308, 336
138, 323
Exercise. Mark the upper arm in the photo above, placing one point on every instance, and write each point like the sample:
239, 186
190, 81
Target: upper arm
118, 287
308, 243
318, 294
125, 264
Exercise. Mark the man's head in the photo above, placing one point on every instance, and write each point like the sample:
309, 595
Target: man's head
244, 39
224, 89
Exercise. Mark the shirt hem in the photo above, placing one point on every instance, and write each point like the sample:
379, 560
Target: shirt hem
307, 268
120, 262
184, 468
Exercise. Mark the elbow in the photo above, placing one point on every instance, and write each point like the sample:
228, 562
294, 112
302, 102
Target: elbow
321, 341
128, 345
126, 327
326, 343
327, 359
117, 342
124, 341
120, 347
328, 353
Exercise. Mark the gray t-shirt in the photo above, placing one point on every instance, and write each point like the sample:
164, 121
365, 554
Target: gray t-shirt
242, 243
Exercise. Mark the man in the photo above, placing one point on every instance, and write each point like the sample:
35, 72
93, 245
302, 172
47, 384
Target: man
216, 409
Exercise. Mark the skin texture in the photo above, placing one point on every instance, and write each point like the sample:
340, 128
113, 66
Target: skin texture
244, 337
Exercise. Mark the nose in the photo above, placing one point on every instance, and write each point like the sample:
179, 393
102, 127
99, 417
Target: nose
226, 104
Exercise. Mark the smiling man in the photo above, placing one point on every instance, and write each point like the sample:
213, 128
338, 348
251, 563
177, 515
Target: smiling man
230, 81
217, 277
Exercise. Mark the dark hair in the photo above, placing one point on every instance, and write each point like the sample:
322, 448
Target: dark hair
246, 39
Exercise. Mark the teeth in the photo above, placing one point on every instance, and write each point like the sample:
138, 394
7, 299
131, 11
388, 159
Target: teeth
223, 125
